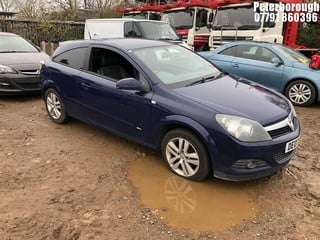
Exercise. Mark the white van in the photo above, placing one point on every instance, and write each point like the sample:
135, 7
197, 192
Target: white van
129, 27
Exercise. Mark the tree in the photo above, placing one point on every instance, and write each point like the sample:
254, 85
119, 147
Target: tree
32, 9
6, 5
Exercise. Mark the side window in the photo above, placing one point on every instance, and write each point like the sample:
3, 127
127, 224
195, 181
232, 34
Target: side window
229, 51
131, 30
247, 51
110, 64
266, 55
73, 58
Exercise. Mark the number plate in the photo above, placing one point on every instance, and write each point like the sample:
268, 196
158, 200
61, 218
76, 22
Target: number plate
291, 145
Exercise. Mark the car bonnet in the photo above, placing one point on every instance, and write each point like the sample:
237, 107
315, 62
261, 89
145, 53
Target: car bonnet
239, 97
23, 61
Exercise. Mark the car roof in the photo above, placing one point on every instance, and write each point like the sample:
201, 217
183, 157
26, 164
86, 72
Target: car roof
124, 20
123, 44
7, 34
253, 43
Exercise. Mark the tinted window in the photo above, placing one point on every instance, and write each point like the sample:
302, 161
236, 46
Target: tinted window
110, 64
74, 58
131, 30
229, 51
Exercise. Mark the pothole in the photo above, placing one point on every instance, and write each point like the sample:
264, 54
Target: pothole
205, 206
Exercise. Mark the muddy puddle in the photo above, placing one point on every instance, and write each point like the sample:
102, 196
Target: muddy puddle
206, 206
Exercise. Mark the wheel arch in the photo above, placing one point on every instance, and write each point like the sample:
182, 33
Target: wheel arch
301, 79
182, 122
49, 84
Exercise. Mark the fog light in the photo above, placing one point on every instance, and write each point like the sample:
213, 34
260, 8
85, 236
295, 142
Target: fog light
251, 164
4, 84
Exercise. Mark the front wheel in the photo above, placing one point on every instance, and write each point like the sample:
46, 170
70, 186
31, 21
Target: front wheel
185, 155
301, 93
55, 106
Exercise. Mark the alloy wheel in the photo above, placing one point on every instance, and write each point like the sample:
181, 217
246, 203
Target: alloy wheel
54, 106
182, 157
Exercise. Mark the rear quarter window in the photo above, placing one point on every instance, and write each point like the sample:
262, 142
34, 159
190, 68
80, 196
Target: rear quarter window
73, 58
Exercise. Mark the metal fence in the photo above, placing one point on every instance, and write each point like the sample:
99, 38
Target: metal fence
43, 31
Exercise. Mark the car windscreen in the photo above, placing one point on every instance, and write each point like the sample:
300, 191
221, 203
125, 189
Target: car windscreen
175, 66
291, 54
179, 19
158, 31
241, 18
15, 44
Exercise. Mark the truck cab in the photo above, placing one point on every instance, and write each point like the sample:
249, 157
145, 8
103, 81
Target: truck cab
190, 24
244, 22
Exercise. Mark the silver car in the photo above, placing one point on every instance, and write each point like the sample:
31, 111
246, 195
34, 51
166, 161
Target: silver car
19, 65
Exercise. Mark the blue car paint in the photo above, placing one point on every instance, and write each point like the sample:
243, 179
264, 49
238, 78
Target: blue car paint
267, 74
145, 117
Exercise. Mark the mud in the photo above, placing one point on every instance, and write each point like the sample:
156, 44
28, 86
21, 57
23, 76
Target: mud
75, 181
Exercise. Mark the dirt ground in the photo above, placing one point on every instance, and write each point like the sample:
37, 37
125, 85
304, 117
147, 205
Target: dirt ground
71, 182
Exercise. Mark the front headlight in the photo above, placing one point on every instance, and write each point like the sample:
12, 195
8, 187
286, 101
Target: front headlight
243, 129
6, 69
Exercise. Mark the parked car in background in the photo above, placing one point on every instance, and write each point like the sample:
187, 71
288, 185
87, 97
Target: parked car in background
273, 65
165, 96
19, 65
131, 28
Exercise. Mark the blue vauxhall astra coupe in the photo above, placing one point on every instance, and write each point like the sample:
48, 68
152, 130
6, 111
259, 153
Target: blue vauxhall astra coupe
167, 97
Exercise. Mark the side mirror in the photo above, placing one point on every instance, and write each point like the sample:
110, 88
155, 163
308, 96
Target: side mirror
276, 61
210, 17
130, 84
209, 25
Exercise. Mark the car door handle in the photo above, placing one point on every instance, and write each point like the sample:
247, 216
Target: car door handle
86, 85
235, 65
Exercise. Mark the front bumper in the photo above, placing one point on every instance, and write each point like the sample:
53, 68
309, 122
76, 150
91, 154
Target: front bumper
230, 157
14, 84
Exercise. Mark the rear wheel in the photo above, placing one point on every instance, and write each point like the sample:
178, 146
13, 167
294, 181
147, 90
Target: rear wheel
55, 106
185, 155
301, 93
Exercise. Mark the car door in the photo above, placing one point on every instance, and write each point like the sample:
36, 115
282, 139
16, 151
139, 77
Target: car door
68, 75
255, 63
123, 112
224, 59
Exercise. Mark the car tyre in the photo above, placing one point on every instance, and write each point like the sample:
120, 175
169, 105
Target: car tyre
301, 93
55, 106
185, 155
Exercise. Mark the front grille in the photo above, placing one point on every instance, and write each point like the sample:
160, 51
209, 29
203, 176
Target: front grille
279, 132
230, 38
282, 157
29, 86
30, 72
283, 127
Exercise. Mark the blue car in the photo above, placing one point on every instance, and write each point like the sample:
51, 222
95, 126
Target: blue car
273, 65
169, 98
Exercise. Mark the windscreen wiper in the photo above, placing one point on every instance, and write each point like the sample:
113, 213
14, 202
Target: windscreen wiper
205, 79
